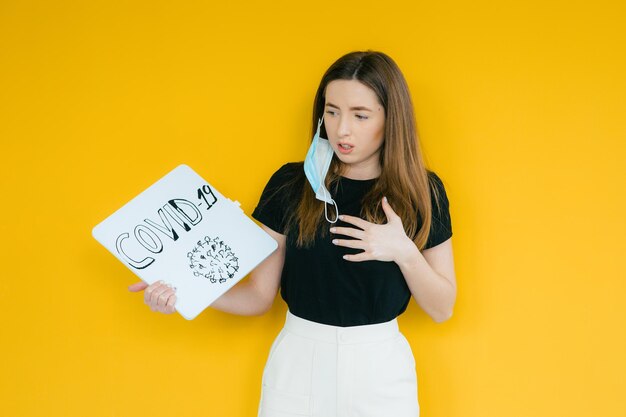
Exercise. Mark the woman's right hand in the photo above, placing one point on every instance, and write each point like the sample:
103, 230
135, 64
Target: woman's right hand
251, 297
159, 296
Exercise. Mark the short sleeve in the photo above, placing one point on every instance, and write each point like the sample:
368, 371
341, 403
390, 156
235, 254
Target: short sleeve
274, 201
441, 224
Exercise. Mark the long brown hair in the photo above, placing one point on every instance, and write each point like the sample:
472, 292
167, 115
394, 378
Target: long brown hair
403, 179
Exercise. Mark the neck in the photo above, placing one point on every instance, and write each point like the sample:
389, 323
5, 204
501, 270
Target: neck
362, 172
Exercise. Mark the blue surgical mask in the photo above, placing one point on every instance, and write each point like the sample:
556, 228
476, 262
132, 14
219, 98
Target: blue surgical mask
316, 165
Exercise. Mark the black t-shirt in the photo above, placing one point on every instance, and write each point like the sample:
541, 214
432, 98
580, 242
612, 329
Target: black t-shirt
317, 283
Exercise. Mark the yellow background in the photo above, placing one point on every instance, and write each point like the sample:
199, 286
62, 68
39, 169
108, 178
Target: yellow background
521, 111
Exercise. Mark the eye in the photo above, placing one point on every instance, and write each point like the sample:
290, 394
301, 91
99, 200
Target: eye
361, 117
332, 113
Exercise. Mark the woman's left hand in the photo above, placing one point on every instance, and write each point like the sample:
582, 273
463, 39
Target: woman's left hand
380, 242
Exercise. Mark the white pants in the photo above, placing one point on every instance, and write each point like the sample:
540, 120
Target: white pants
319, 370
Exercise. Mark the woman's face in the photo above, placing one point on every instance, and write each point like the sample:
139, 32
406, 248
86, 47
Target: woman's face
355, 125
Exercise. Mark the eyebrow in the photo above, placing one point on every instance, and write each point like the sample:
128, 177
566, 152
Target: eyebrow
351, 108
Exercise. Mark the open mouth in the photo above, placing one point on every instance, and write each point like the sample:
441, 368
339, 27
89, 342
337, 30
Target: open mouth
344, 148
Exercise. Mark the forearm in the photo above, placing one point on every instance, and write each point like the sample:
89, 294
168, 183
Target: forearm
434, 293
255, 295
244, 299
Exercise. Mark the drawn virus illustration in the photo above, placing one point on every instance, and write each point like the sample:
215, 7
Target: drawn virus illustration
213, 259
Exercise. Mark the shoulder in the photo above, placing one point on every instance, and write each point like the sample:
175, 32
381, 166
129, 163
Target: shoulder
290, 169
286, 173
434, 179
441, 224
286, 176
278, 196
437, 189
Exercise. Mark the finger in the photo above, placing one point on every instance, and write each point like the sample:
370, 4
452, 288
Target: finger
154, 299
137, 286
391, 215
360, 223
169, 307
359, 257
348, 231
348, 243
152, 291
147, 295
163, 299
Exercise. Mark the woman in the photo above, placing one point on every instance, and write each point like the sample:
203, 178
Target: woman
348, 263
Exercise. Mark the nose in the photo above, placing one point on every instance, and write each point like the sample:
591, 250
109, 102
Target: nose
344, 127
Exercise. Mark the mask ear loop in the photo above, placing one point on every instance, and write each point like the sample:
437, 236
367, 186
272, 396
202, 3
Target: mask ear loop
326, 208
336, 212
319, 125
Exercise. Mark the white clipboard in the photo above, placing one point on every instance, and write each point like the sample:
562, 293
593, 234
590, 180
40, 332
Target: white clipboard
182, 231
